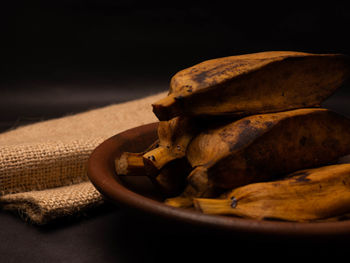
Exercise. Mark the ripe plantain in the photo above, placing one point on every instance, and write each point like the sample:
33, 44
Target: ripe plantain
174, 137
253, 83
306, 195
263, 147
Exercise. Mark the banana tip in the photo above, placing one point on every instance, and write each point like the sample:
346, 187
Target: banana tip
167, 108
161, 112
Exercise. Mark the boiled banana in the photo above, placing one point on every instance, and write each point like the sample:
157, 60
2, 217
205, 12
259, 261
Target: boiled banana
253, 83
306, 195
263, 147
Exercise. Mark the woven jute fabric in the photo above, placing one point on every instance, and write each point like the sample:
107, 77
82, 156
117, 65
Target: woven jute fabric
43, 165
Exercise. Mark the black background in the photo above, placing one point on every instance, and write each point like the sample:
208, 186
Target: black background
63, 57
71, 55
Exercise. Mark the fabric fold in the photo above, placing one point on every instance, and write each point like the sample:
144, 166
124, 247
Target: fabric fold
41, 207
43, 165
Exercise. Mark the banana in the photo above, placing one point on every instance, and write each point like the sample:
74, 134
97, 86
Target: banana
263, 147
174, 136
306, 195
253, 83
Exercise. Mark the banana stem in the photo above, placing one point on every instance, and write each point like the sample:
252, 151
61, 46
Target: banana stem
130, 164
157, 158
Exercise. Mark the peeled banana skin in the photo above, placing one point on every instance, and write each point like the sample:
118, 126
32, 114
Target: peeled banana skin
254, 83
264, 147
306, 195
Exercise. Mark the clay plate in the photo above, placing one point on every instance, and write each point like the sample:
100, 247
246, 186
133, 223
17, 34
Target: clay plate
138, 193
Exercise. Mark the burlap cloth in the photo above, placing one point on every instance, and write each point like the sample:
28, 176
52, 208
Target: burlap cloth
43, 165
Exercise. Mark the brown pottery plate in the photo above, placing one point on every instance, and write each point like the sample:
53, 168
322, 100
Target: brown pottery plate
138, 193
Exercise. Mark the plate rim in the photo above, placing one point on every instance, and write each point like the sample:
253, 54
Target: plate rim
101, 173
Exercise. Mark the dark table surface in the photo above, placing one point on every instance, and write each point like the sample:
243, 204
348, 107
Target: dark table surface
113, 234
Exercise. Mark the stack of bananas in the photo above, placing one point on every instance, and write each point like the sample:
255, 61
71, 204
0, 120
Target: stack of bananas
246, 136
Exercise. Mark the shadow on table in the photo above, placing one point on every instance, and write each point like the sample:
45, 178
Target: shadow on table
159, 240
